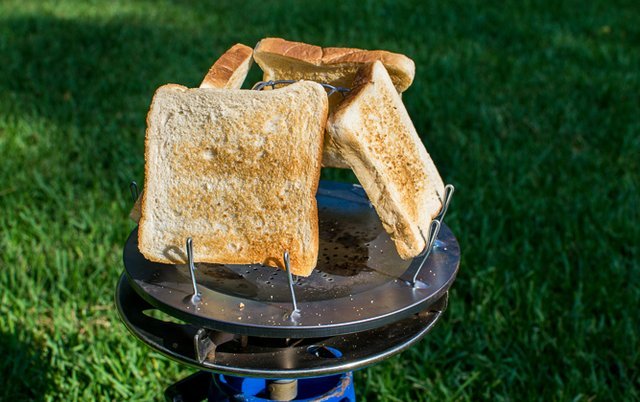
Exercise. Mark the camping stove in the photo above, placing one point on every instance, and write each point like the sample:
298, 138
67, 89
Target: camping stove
257, 333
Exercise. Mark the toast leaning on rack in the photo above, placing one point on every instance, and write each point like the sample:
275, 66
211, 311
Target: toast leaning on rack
235, 170
229, 71
375, 136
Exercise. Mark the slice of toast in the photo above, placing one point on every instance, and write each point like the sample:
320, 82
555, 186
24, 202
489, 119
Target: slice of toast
235, 170
229, 72
374, 133
280, 59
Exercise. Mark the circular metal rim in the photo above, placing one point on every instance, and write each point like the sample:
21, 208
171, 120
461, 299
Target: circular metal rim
333, 366
417, 304
294, 332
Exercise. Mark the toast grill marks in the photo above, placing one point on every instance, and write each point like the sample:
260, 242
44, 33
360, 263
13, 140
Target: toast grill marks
376, 137
204, 150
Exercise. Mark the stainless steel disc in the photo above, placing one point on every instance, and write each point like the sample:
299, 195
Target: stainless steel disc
360, 282
272, 357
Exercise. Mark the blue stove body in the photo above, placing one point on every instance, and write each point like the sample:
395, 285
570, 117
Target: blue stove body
205, 386
333, 388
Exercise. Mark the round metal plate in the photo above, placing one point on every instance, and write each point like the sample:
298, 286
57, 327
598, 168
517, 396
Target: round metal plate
268, 357
360, 281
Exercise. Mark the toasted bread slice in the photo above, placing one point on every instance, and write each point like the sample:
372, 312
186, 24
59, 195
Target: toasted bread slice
375, 136
229, 72
280, 59
235, 170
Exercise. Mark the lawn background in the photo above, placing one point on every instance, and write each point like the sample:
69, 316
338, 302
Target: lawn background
531, 108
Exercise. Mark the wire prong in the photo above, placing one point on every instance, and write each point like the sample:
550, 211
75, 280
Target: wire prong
434, 229
195, 298
287, 266
133, 189
446, 200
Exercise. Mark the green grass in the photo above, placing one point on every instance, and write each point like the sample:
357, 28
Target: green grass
531, 108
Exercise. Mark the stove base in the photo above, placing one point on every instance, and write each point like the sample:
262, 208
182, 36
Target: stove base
223, 388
